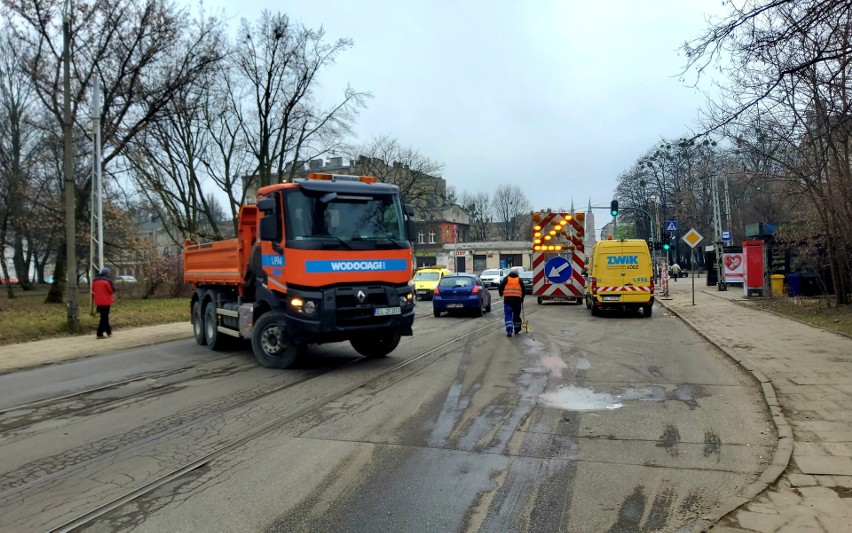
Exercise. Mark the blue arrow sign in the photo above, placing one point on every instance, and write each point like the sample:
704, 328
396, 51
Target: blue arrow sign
671, 225
557, 269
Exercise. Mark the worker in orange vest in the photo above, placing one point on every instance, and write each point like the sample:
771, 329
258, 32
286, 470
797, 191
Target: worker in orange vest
512, 290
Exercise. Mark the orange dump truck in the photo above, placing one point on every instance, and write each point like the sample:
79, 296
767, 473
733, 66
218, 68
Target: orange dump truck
322, 259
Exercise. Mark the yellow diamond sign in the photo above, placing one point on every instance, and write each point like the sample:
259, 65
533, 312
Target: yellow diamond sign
692, 238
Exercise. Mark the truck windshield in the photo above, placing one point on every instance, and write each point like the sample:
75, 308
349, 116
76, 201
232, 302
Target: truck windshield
342, 221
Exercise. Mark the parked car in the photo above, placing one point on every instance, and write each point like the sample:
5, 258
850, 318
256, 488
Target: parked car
527, 277
491, 277
461, 292
125, 279
425, 281
12, 280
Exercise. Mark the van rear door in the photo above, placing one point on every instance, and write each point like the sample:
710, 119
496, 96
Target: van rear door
624, 272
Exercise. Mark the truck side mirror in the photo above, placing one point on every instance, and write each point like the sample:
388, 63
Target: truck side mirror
410, 229
270, 223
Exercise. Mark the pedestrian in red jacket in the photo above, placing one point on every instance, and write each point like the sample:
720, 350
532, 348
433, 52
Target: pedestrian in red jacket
102, 293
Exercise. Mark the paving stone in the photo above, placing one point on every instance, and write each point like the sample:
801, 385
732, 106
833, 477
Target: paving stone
802, 480
825, 465
826, 481
765, 508
783, 498
838, 449
765, 523
818, 493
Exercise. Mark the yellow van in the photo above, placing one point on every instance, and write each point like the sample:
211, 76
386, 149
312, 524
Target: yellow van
620, 276
426, 279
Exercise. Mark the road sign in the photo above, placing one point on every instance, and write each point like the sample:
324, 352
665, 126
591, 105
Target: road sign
692, 238
558, 269
671, 225
726, 235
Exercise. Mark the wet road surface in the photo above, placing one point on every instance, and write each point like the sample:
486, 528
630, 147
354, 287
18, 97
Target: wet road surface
615, 423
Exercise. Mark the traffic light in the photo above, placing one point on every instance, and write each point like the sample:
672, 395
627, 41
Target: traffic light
613, 207
666, 246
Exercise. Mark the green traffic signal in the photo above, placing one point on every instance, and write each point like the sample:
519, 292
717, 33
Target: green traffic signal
613, 207
666, 246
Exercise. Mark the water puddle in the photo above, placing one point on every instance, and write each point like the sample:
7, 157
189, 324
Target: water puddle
571, 398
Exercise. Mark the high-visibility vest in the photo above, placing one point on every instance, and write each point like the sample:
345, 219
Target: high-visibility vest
512, 288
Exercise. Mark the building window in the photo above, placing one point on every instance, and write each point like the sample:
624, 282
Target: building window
431, 237
420, 238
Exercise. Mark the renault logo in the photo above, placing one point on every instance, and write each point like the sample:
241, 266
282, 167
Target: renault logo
361, 296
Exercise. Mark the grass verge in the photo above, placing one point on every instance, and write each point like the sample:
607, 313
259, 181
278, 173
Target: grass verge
27, 318
818, 311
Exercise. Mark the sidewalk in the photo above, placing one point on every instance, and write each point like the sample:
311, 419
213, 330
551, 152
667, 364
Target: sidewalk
29, 354
806, 375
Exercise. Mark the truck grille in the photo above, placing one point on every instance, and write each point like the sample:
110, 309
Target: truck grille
352, 312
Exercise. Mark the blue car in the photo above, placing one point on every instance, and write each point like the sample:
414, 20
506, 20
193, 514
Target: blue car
461, 292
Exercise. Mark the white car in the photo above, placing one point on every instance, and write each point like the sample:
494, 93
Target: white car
125, 279
491, 277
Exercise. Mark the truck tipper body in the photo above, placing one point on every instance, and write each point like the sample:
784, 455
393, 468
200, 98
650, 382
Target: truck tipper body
323, 259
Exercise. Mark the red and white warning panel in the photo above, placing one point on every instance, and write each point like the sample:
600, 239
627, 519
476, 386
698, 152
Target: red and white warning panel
558, 257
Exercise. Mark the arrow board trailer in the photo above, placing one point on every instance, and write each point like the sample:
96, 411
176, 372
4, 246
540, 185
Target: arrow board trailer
558, 257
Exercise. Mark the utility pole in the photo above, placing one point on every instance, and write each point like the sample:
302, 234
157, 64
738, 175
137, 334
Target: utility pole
96, 242
717, 223
72, 309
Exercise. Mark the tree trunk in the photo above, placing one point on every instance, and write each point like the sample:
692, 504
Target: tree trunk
56, 294
22, 266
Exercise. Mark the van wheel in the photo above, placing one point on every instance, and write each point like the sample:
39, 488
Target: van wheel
198, 324
375, 346
595, 311
271, 344
588, 304
646, 310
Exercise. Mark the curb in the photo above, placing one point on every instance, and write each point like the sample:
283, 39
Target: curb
124, 345
783, 449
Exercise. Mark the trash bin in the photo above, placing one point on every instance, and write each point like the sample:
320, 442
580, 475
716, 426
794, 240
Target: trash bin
795, 283
777, 283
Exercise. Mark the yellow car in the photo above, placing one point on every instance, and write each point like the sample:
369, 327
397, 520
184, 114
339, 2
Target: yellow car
425, 281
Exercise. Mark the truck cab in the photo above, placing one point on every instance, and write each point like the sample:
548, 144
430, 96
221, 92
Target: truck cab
323, 259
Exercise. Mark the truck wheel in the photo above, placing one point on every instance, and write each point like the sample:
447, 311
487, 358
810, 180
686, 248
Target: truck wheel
270, 342
215, 340
588, 304
198, 324
646, 310
539, 300
375, 346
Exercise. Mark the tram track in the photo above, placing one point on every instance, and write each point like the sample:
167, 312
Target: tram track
54, 470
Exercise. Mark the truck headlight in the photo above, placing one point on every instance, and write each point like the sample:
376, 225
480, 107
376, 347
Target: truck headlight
306, 307
406, 300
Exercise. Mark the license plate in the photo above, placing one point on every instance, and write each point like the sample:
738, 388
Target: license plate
384, 311
610, 298
455, 306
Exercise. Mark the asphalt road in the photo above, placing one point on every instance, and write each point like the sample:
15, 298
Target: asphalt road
615, 423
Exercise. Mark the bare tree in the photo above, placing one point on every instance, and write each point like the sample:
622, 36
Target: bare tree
278, 62
19, 149
791, 73
511, 210
478, 205
417, 176
140, 53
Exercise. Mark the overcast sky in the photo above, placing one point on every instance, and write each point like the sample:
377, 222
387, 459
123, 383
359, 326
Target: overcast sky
559, 97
